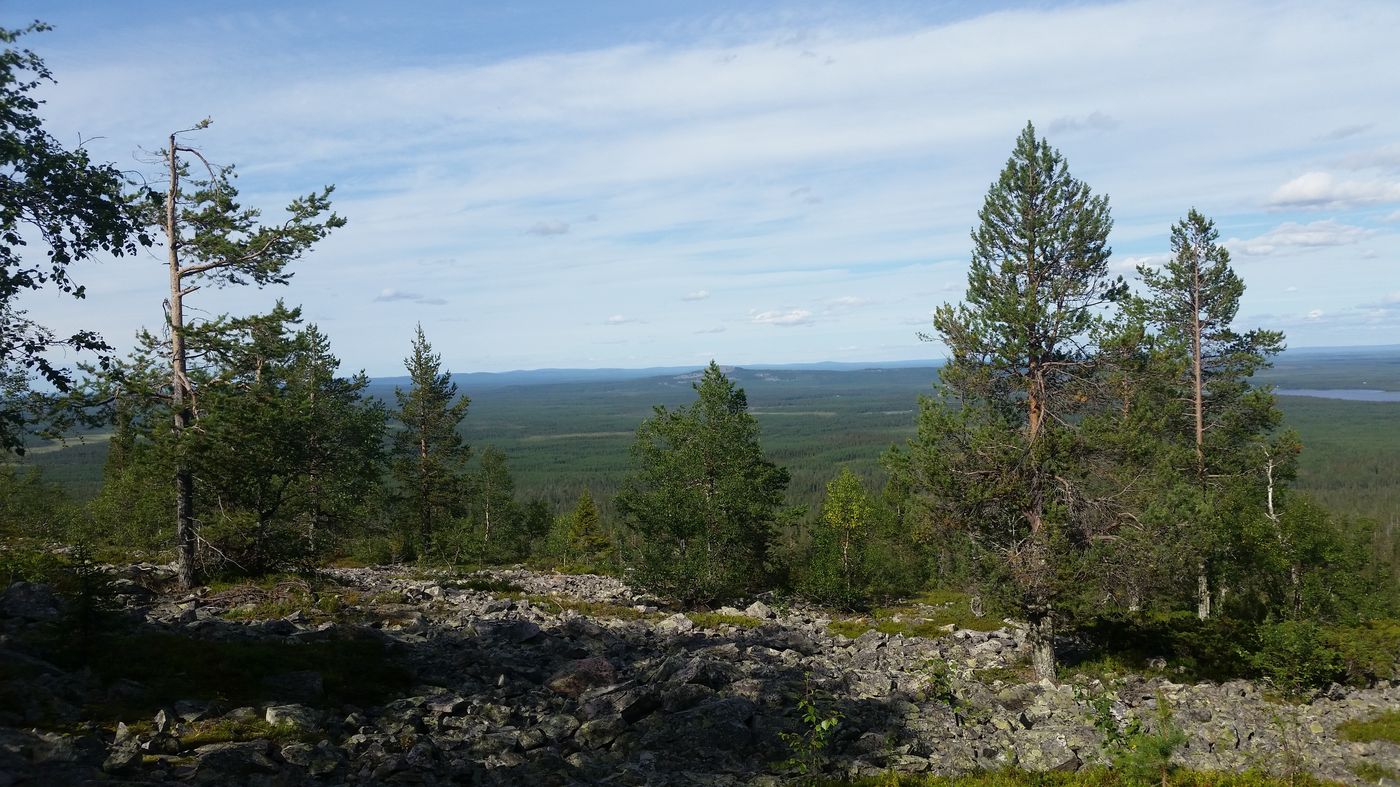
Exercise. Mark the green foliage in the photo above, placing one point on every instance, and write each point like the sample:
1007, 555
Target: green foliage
285, 454
429, 455
998, 452
702, 499
33, 508
74, 207
1146, 752
1294, 657
808, 746
857, 553
1367, 652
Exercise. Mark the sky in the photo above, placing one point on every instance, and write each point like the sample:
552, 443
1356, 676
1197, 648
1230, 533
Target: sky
630, 184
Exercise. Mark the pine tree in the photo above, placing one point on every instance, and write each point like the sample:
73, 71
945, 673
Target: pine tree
1192, 303
429, 453
702, 498
213, 241
996, 453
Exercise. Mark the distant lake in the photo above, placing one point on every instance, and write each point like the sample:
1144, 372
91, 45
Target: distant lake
1350, 394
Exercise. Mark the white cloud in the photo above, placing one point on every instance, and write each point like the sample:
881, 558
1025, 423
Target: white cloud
1293, 236
546, 228
1315, 314
1322, 190
619, 319
698, 295
783, 318
1129, 264
716, 329
390, 295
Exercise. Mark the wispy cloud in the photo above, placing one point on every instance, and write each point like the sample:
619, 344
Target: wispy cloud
609, 166
783, 318
545, 229
393, 296
1343, 132
1094, 121
1293, 236
697, 295
619, 319
1323, 190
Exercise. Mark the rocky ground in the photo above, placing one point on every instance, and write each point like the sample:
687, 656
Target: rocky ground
514, 677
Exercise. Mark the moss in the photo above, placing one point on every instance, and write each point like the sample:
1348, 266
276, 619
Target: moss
203, 733
592, 609
1385, 727
713, 620
1371, 772
928, 615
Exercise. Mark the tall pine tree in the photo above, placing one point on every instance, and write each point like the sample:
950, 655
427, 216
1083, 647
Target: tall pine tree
1191, 303
430, 455
998, 453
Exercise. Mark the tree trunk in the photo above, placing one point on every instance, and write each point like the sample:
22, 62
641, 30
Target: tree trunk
185, 537
1202, 592
1041, 638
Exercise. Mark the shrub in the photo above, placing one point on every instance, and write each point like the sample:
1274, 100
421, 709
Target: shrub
1294, 657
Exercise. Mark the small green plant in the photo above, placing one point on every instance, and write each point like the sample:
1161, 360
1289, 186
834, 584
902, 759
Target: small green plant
1385, 727
1117, 738
1145, 755
941, 685
808, 747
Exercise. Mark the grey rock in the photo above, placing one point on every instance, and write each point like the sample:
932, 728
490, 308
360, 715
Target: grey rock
323, 759
760, 610
577, 677
296, 716
600, 732
30, 601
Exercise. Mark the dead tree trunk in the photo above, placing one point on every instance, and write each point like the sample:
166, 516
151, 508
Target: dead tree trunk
181, 397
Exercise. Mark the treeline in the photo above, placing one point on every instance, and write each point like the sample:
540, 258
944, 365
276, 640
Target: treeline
1095, 449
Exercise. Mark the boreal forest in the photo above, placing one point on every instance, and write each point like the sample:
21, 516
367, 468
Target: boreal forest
1091, 542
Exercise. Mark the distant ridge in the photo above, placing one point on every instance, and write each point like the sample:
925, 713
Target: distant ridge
479, 380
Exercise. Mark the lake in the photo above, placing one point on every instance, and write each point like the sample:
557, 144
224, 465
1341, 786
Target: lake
1349, 394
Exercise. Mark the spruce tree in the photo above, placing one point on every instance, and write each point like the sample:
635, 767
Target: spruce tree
702, 498
998, 453
586, 540
429, 453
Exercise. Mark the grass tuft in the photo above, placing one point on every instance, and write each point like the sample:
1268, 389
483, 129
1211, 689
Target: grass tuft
1385, 727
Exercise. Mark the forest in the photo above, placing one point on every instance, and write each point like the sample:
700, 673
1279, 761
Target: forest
1102, 458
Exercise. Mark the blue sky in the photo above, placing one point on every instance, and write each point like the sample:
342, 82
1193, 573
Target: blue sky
661, 183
